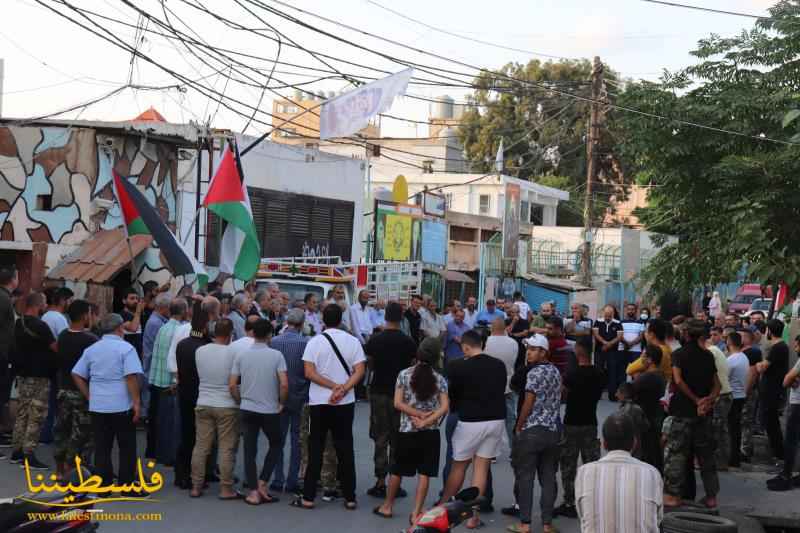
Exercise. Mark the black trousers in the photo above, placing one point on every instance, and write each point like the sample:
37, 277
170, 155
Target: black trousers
338, 419
254, 423
108, 427
187, 401
152, 422
792, 438
735, 431
770, 419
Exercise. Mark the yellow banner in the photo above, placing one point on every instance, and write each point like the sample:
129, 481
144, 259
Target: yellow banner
397, 241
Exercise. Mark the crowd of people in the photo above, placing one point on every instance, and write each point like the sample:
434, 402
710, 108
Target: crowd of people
201, 372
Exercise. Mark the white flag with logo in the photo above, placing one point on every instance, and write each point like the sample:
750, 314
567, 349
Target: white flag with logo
498, 160
350, 112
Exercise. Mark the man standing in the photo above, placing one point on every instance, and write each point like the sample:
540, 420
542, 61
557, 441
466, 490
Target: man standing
649, 387
538, 323
608, 333
770, 387
131, 313
73, 430
240, 306
8, 283
361, 314
388, 353
562, 352
749, 415
738, 371
476, 385
524, 308
470, 313
697, 388
334, 363
414, 317
578, 325
150, 400
35, 363
455, 331
261, 304
722, 407
160, 423
55, 317
313, 318
656, 334
291, 343
618, 492
260, 371
449, 317
433, 325
490, 313
630, 347
500, 346
584, 386
107, 374
785, 481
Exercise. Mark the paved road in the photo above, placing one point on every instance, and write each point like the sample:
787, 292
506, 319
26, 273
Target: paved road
180, 513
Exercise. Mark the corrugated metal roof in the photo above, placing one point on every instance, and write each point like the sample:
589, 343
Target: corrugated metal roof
100, 257
557, 283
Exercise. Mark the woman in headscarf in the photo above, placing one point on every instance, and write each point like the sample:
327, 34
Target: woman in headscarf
715, 305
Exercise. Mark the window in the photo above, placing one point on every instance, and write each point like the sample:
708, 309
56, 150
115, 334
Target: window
287, 108
44, 202
524, 216
448, 198
427, 166
483, 204
537, 215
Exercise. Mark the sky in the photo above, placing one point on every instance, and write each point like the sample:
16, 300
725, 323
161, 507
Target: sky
51, 65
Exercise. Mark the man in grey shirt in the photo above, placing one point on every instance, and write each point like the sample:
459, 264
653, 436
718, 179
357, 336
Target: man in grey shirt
261, 371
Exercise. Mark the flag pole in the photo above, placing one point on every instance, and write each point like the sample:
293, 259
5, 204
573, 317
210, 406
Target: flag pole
127, 236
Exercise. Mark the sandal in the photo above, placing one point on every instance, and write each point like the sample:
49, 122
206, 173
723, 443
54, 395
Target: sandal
377, 511
469, 525
516, 528
298, 503
236, 496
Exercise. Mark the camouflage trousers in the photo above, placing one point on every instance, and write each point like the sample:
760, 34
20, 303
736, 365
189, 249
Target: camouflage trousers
689, 438
32, 398
577, 440
73, 429
384, 424
749, 419
722, 438
328, 475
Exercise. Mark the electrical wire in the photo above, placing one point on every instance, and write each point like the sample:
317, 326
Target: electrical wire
721, 11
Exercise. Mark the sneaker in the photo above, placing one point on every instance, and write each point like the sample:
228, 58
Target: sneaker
779, 483
35, 464
16, 457
510, 511
486, 508
378, 491
331, 495
566, 510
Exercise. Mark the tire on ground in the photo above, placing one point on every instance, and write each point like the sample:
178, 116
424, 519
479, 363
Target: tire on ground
680, 522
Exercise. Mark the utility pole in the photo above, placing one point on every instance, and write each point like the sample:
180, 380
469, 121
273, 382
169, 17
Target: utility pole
595, 116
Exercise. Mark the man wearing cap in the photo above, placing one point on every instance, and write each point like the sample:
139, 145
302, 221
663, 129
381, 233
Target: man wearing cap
291, 343
490, 313
107, 374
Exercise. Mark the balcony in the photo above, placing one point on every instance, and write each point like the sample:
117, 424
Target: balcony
463, 255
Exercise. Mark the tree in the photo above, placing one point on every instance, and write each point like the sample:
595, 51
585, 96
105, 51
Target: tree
543, 129
733, 200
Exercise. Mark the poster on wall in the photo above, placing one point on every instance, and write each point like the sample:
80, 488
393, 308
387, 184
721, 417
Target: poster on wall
511, 222
398, 231
434, 205
434, 242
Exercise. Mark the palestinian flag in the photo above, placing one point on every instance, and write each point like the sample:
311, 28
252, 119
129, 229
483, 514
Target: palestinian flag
227, 197
141, 218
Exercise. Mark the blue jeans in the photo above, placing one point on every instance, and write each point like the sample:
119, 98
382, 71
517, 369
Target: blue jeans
290, 419
449, 428
511, 415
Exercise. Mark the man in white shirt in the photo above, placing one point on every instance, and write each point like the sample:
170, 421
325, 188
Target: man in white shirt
211, 306
738, 370
55, 317
313, 319
619, 493
524, 308
334, 363
361, 315
470, 312
500, 346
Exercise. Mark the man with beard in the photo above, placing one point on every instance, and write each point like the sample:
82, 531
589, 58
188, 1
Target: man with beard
131, 313
770, 387
608, 333
539, 322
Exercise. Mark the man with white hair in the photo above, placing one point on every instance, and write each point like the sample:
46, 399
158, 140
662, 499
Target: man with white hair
240, 305
211, 306
274, 290
361, 316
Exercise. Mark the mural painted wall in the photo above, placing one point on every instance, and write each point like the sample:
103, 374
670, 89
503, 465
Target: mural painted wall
51, 177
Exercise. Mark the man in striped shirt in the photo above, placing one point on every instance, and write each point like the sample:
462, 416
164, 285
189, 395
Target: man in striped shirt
619, 494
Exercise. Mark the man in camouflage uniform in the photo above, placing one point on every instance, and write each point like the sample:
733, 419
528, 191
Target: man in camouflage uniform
34, 363
73, 428
691, 433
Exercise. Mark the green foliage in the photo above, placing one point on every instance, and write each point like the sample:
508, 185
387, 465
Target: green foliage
552, 128
733, 201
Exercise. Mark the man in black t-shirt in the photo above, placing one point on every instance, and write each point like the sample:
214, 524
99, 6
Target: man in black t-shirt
608, 333
770, 386
72, 434
476, 386
694, 375
388, 352
584, 386
517, 328
34, 365
414, 317
132, 315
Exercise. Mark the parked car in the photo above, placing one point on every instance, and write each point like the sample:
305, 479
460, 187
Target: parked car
745, 295
759, 304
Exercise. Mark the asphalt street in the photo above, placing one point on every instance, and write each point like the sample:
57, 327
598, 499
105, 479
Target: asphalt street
180, 513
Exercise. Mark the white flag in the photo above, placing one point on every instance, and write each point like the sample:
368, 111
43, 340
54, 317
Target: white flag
350, 112
498, 160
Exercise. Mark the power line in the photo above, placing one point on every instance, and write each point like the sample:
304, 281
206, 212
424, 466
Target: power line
720, 11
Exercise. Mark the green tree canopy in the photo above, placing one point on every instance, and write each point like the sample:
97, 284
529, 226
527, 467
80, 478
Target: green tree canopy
733, 200
543, 130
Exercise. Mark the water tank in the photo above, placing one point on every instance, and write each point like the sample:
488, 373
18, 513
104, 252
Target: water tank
458, 111
443, 108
